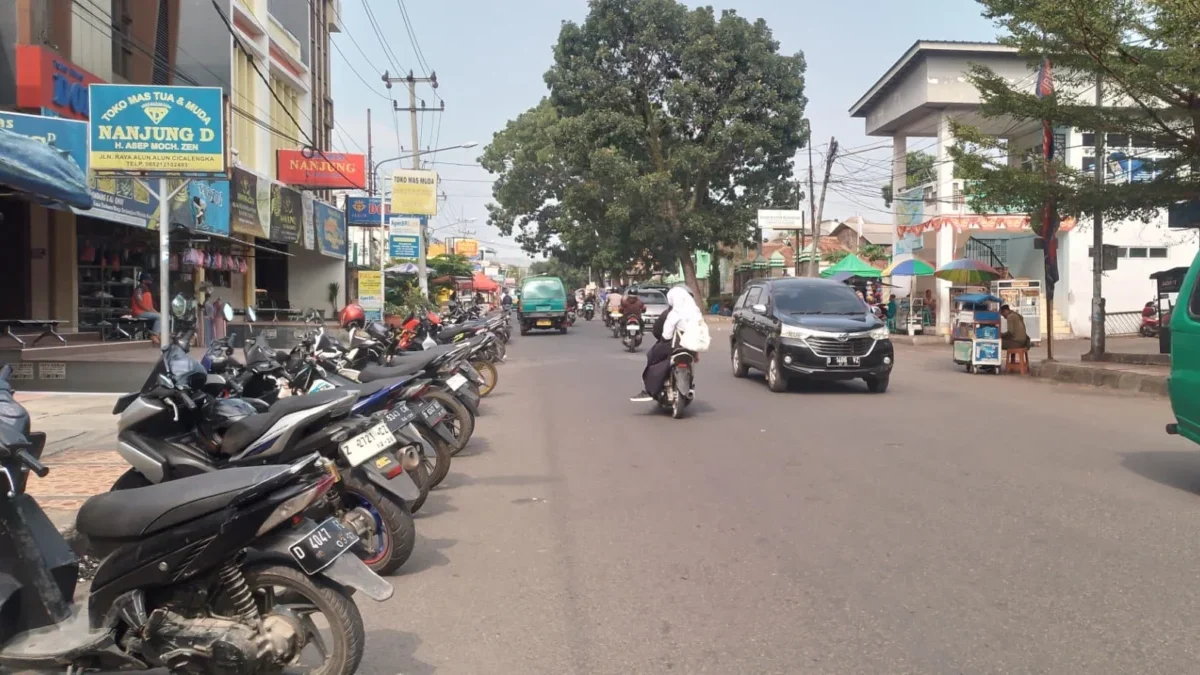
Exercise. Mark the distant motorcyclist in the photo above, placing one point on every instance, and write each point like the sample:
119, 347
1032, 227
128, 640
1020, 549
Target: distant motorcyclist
632, 305
681, 307
612, 304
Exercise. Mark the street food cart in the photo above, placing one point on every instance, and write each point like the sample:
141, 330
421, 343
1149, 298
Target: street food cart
976, 332
1023, 296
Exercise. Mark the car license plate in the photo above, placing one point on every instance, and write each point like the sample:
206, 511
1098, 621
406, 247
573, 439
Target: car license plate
366, 445
542, 308
633, 328
544, 322
456, 382
433, 413
322, 545
400, 416
842, 361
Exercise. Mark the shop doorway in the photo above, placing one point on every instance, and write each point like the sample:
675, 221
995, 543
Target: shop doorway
270, 277
15, 301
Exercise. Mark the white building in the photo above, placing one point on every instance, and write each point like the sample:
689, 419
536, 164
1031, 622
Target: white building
916, 99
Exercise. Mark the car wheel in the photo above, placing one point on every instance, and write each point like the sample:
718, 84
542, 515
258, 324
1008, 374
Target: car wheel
739, 367
878, 385
776, 380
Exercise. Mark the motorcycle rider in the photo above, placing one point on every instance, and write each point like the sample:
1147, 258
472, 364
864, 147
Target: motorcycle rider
681, 306
632, 305
612, 304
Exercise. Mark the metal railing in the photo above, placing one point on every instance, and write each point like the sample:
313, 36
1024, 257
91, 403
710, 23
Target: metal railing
1122, 323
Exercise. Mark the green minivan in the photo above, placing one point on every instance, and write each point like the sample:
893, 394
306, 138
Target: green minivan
543, 304
1183, 336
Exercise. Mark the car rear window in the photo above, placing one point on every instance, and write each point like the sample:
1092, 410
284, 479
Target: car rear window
544, 289
652, 297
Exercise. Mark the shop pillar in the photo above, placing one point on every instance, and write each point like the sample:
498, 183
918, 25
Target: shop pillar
945, 235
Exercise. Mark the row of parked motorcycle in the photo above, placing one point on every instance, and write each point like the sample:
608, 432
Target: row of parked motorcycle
262, 492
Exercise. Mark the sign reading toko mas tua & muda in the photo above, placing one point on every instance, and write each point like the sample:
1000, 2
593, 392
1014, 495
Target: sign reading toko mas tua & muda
156, 130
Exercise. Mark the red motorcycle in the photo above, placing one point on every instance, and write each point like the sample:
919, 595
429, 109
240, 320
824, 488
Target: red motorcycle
1150, 322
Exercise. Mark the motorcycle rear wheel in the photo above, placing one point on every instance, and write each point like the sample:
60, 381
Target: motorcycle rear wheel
490, 376
393, 518
460, 420
345, 622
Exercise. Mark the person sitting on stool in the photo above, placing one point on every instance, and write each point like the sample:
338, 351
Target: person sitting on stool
1016, 337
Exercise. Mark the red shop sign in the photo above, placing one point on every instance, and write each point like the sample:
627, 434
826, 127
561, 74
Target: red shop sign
47, 80
305, 168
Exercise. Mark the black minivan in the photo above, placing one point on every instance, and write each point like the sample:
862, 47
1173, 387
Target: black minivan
802, 328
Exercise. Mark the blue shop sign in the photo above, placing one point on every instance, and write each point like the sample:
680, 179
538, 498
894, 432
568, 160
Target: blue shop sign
70, 136
362, 211
330, 226
157, 130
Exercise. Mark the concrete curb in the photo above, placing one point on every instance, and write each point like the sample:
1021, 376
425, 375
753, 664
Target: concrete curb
1132, 359
1120, 380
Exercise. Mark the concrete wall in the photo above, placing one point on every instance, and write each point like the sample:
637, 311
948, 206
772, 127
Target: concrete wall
309, 276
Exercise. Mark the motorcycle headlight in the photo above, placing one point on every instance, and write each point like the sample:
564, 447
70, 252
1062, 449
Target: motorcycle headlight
880, 333
794, 332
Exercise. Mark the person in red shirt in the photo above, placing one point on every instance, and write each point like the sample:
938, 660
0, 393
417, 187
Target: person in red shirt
143, 305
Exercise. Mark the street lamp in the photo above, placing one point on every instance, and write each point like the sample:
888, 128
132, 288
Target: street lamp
422, 272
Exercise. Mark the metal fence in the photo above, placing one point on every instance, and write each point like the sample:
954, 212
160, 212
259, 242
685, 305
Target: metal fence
1122, 323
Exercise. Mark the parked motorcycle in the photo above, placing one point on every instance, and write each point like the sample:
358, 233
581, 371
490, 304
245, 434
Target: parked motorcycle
217, 573
173, 428
1150, 322
632, 339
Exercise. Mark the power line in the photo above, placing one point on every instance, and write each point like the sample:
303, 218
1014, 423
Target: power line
379, 35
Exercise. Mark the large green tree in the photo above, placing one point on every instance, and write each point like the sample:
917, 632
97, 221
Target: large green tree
573, 276
666, 128
1145, 52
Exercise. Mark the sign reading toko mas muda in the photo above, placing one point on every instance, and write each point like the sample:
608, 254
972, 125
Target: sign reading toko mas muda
156, 130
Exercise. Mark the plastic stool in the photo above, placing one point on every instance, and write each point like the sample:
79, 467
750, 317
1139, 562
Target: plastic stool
1018, 361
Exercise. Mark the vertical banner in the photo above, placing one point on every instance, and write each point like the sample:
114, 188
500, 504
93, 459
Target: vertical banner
202, 205
330, 225
287, 209
370, 294
250, 211
310, 237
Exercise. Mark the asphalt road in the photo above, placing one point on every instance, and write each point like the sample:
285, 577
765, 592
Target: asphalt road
956, 524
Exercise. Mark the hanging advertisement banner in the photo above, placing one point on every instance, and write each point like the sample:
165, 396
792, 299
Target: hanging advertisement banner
467, 247
156, 130
250, 210
310, 237
404, 236
436, 249
370, 294
362, 211
333, 170
287, 210
330, 226
414, 192
201, 205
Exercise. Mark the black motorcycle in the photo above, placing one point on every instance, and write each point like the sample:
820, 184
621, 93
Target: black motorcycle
589, 310
632, 336
217, 573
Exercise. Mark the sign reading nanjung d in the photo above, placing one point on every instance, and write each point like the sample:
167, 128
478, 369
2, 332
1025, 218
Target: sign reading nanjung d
156, 130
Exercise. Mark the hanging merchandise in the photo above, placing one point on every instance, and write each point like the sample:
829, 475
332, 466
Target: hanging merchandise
88, 254
174, 262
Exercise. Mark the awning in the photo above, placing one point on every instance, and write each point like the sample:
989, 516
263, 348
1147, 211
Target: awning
41, 171
199, 236
482, 283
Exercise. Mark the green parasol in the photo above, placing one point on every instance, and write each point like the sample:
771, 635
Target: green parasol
855, 265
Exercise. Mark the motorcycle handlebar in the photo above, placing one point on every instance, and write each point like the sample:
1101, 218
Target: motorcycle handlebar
34, 465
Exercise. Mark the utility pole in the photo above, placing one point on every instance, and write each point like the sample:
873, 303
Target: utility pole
829, 159
411, 81
812, 207
1097, 333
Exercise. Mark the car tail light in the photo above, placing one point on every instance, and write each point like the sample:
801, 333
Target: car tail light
297, 504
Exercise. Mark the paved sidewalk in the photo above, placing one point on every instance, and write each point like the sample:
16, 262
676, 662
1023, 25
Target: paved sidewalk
81, 434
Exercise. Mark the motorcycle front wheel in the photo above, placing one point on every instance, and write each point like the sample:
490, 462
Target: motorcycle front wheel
334, 632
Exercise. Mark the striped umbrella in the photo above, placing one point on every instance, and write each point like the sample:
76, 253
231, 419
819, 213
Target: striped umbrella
967, 271
913, 267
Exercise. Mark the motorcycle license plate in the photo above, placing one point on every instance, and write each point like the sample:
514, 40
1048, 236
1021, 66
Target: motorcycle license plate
544, 322
456, 382
588, 307
322, 545
842, 361
633, 328
400, 416
366, 445
433, 413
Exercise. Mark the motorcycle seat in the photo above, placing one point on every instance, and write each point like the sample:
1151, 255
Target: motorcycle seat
409, 365
448, 334
141, 512
250, 428
366, 389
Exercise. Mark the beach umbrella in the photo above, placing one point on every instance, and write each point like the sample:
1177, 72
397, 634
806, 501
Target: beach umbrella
966, 271
913, 267
855, 266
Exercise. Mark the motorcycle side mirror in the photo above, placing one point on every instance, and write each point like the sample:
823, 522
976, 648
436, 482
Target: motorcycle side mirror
178, 306
251, 315
165, 382
227, 312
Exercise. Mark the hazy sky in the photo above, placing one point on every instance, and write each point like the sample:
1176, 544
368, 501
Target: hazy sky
490, 57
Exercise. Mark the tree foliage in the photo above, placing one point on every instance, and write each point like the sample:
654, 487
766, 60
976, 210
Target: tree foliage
573, 277
665, 129
918, 169
1145, 51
